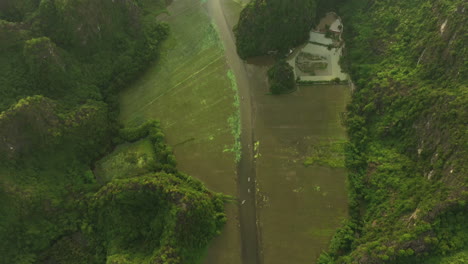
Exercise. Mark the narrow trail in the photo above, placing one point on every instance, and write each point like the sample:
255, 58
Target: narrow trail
246, 167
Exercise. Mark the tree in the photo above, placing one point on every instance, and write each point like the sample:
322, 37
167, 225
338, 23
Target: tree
281, 78
273, 26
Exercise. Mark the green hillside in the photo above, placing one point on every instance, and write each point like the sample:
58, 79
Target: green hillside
61, 66
407, 127
406, 123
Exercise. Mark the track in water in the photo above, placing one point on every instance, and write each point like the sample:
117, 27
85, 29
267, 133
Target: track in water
246, 166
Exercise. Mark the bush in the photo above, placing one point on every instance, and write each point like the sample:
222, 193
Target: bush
281, 78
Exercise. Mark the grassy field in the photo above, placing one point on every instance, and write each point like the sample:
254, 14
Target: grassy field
191, 90
127, 159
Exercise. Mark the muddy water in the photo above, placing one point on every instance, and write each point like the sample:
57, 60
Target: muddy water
225, 15
299, 207
290, 211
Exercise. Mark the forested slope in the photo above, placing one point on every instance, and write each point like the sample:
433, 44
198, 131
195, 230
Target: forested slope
407, 124
62, 64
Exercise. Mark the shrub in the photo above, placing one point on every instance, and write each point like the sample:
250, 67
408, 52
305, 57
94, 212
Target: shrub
281, 78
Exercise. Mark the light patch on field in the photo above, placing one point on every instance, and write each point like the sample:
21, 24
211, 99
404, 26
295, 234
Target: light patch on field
127, 160
234, 119
326, 154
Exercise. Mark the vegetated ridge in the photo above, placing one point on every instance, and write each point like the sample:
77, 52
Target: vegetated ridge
62, 64
407, 128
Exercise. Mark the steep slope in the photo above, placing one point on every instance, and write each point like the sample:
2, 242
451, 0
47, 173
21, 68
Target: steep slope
45, 157
54, 211
407, 127
76, 50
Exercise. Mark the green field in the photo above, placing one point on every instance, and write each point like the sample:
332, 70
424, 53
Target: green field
193, 93
189, 89
126, 159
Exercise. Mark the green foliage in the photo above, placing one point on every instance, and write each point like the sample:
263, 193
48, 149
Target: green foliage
407, 174
144, 216
16, 11
165, 159
281, 78
44, 160
234, 120
127, 159
273, 26
457, 258
61, 65
71, 51
343, 238
46, 66
140, 216
327, 154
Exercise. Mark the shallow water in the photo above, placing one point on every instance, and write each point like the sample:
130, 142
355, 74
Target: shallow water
225, 15
299, 207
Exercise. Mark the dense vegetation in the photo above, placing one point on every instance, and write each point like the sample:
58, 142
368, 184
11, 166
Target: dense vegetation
273, 26
406, 124
62, 64
281, 78
407, 128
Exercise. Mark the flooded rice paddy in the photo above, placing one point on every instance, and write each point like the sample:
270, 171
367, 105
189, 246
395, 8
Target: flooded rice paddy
299, 207
287, 211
